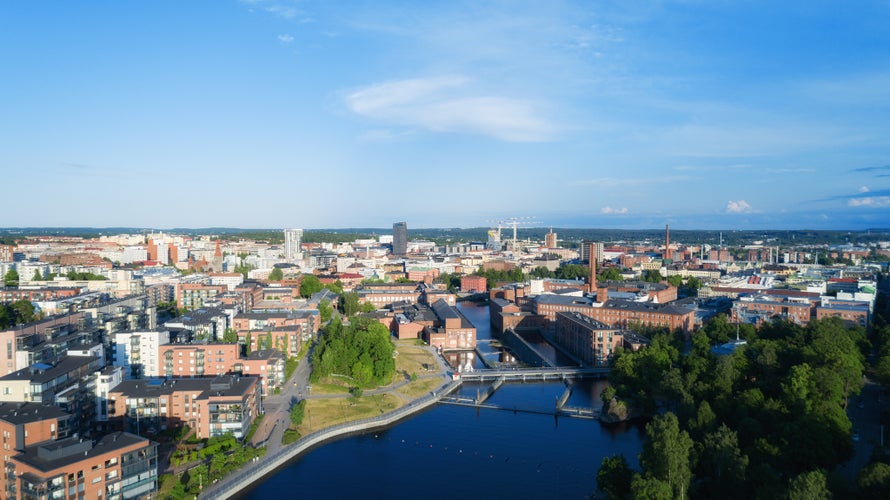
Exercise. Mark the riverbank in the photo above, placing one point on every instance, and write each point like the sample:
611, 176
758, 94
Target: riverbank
332, 412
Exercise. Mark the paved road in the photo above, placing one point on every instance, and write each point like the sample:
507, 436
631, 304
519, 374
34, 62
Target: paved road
277, 406
867, 424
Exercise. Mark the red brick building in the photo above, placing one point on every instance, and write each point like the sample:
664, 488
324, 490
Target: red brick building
471, 283
590, 340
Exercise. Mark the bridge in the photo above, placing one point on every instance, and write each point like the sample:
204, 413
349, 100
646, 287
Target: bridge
532, 374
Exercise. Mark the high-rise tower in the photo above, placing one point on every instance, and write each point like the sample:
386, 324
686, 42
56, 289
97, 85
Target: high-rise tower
400, 238
293, 239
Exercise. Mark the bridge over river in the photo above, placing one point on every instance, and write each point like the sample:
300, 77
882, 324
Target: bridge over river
498, 377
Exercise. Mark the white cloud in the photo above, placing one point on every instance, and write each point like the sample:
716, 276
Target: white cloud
870, 201
863, 189
285, 38
738, 207
610, 210
632, 180
450, 104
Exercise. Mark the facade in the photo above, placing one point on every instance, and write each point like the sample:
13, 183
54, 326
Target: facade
193, 295
452, 330
293, 239
118, 466
616, 313
210, 406
400, 238
472, 283
137, 352
590, 340
25, 424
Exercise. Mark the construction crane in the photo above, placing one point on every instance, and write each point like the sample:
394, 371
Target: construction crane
515, 222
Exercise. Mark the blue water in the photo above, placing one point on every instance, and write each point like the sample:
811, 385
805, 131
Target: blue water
461, 452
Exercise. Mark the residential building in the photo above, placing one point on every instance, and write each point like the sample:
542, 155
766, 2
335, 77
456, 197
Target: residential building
210, 406
292, 244
118, 466
137, 352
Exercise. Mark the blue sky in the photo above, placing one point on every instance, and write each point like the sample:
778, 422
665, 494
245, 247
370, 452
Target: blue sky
697, 114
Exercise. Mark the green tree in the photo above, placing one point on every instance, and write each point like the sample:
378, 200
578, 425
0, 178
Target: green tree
810, 485
722, 463
650, 488
296, 413
276, 275
874, 481
325, 310
309, 285
693, 283
665, 454
37, 276
230, 336
652, 276
335, 287
540, 272
11, 278
675, 280
614, 477
349, 304
248, 341
610, 274
367, 307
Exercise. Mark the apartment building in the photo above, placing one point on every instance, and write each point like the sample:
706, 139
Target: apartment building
210, 406
117, 466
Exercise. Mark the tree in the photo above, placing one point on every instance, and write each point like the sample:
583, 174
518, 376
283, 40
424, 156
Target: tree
874, 481
37, 276
248, 340
325, 311
540, 272
309, 285
276, 275
614, 477
11, 278
230, 336
650, 488
675, 280
809, 486
610, 274
335, 287
349, 303
722, 462
665, 454
652, 276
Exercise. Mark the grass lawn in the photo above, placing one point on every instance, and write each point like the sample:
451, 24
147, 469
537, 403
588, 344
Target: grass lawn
420, 387
331, 385
322, 413
412, 358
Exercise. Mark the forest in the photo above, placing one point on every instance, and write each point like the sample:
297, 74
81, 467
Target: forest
768, 420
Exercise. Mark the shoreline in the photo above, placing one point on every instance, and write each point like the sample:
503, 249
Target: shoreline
252, 473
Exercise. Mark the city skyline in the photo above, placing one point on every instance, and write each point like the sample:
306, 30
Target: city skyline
695, 114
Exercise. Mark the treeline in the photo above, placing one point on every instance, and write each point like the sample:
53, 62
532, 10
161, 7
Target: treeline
361, 350
17, 313
766, 421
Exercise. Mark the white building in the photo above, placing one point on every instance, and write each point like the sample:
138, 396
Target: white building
293, 238
137, 352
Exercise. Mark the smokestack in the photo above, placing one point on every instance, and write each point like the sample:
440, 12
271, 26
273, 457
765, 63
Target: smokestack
667, 241
591, 281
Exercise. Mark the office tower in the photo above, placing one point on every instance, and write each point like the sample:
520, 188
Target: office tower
292, 240
400, 238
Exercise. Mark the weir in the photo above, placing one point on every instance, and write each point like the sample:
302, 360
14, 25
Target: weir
481, 398
565, 397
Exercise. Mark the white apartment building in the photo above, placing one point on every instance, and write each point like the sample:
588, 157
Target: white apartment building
137, 352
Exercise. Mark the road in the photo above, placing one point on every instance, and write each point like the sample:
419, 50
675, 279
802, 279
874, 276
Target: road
277, 406
867, 424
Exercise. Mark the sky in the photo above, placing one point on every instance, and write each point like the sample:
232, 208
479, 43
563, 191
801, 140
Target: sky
318, 114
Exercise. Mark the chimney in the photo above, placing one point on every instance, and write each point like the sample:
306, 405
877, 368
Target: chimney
602, 294
591, 281
667, 241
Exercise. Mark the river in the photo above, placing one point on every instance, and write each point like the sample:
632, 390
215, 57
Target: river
461, 452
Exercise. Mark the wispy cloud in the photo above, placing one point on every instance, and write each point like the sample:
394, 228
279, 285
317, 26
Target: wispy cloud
738, 207
882, 171
451, 104
285, 38
712, 168
613, 211
869, 201
864, 189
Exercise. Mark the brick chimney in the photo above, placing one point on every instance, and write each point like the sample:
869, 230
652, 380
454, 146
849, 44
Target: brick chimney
591, 281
